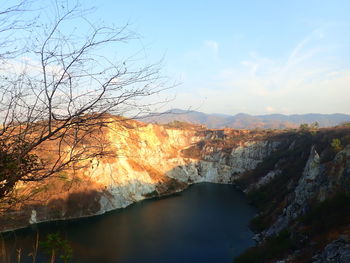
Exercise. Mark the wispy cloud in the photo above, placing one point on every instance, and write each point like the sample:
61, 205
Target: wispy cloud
306, 79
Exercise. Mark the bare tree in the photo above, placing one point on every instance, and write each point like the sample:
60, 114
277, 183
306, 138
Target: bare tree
60, 91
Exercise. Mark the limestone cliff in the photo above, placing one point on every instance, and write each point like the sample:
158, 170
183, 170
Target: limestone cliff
145, 161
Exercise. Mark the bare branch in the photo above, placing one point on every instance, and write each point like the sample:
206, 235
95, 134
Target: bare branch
56, 104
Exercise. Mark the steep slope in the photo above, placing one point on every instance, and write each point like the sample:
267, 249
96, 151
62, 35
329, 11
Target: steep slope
302, 192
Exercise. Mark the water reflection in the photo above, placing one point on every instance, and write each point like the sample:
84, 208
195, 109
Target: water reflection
206, 223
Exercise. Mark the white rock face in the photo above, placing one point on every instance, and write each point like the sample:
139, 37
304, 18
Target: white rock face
315, 182
303, 192
264, 180
121, 197
202, 171
221, 167
250, 154
33, 219
305, 187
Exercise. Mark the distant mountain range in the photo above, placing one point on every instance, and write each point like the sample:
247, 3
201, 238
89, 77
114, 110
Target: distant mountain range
246, 121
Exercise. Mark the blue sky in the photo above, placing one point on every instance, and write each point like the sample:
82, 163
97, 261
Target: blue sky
252, 56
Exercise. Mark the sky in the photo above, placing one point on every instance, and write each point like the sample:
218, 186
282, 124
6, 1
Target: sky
251, 56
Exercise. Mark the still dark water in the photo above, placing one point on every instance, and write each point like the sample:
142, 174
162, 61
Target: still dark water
205, 223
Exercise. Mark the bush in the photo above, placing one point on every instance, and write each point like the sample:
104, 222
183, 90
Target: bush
57, 247
336, 145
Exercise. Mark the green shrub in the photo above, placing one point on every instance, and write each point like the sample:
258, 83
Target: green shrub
57, 247
336, 145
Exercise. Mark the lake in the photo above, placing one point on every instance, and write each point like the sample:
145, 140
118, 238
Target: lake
205, 223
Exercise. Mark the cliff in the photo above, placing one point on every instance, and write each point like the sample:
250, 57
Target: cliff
144, 161
302, 192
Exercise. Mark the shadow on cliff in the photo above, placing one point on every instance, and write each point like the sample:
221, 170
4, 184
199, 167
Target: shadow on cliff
59, 201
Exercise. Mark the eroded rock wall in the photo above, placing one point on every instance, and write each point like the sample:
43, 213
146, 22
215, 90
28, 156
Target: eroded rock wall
146, 161
303, 199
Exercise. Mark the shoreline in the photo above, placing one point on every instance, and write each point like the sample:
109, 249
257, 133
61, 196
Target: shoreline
157, 197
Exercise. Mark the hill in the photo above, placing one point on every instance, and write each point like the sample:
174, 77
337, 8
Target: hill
246, 121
